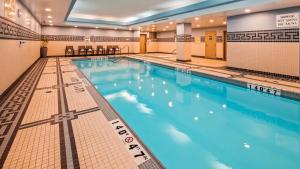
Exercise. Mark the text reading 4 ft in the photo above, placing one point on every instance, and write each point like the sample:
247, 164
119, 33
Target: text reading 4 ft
131, 144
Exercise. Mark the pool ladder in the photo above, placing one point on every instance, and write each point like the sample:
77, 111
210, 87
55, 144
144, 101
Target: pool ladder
184, 70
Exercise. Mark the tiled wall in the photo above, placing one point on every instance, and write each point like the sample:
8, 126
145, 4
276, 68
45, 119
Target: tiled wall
59, 37
255, 43
165, 42
16, 58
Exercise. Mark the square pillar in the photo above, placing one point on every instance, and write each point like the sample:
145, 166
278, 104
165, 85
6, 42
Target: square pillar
184, 41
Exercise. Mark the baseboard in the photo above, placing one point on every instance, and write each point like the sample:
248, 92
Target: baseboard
163, 52
198, 56
178, 60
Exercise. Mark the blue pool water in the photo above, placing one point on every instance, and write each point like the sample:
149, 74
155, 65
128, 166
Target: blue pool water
191, 122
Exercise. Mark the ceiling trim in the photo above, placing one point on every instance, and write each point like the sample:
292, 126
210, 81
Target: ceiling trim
164, 15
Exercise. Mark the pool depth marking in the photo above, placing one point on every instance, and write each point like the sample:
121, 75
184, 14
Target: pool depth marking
264, 89
134, 148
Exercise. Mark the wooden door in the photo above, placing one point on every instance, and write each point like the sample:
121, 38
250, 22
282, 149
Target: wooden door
225, 45
210, 44
143, 41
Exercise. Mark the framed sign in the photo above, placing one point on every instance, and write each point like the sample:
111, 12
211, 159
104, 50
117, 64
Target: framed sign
287, 20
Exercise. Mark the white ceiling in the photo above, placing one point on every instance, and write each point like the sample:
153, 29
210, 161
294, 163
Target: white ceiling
122, 9
125, 10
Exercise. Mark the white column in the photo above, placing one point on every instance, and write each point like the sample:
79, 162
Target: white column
184, 41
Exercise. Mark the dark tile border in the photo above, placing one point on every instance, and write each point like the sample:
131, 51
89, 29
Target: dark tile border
14, 31
276, 35
16, 103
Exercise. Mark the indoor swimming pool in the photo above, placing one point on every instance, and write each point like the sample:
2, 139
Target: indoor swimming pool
191, 122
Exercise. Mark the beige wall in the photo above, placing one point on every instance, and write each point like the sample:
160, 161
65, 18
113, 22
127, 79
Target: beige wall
198, 49
275, 52
57, 48
280, 58
15, 60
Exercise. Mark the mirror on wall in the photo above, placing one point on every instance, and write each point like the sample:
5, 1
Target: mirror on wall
10, 9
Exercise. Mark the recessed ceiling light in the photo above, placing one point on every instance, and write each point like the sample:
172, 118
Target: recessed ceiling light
27, 19
116, 28
49, 16
211, 21
167, 26
171, 23
196, 18
247, 10
224, 23
97, 27
164, 29
198, 26
47, 9
51, 24
153, 25
76, 26
50, 21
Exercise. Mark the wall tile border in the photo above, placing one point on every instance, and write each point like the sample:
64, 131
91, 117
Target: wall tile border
14, 31
184, 38
75, 38
277, 35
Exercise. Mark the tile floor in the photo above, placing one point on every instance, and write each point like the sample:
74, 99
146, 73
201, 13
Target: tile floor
54, 118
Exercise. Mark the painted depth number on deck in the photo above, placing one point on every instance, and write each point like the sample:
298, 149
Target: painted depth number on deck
130, 142
264, 89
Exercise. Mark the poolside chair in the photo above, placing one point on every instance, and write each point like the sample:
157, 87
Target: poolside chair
89, 50
100, 50
117, 50
81, 50
69, 51
110, 50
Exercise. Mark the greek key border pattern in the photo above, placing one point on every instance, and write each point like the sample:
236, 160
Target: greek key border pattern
92, 38
114, 39
184, 38
278, 35
11, 30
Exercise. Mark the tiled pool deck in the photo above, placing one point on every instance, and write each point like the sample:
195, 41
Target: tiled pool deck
54, 118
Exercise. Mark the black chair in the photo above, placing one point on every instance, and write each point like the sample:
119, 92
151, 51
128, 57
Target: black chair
89, 50
117, 50
110, 50
69, 51
81, 50
100, 50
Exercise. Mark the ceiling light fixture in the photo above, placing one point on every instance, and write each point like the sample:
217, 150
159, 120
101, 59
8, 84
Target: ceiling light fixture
211, 21
51, 24
47, 9
171, 23
167, 26
196, 18
76, 26
49, 16
50, 21
97, 27
247, 10
198, 26
224, 23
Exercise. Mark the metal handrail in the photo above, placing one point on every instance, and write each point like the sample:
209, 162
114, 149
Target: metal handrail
127, 49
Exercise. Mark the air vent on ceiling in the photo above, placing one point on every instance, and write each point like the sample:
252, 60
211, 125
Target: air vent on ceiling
163, 19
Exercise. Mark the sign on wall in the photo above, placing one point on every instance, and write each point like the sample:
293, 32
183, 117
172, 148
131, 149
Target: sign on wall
287, 20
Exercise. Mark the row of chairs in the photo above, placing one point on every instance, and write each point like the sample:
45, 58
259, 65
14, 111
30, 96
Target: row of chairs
88, 50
